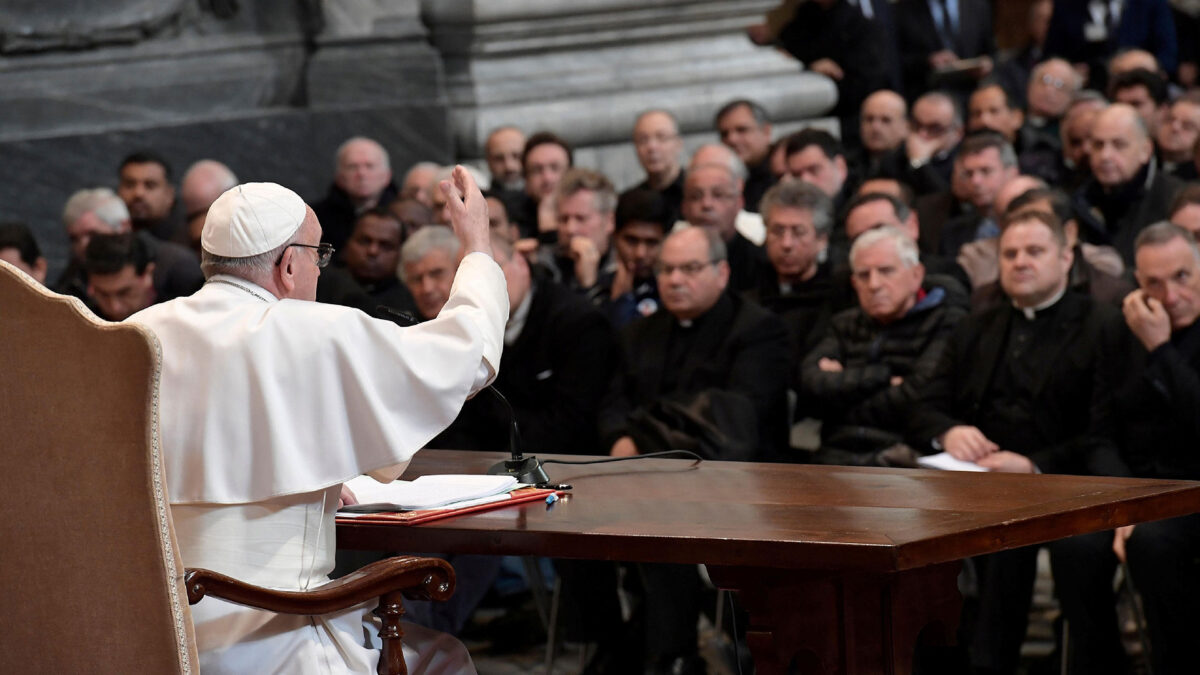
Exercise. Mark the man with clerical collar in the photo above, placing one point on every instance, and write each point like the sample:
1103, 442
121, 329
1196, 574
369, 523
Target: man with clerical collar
270, 401
1127, 191
658, 145
708, 373
798, 217
643, 219
745, 128
1017, 391
370, 275
873, 359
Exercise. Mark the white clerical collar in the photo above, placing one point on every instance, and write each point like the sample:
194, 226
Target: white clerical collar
1031, 312
238, 284
516, 322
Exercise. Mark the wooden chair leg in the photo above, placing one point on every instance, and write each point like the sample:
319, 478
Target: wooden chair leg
391, 657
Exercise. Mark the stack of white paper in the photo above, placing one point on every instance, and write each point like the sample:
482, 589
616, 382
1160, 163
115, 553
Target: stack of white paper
944, 461
430, 492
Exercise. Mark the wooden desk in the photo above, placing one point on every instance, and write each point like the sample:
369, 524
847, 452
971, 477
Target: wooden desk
841, 568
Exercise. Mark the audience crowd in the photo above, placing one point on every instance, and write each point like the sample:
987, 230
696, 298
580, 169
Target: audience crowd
995, 259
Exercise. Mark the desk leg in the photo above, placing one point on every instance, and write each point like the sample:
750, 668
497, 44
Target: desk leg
837, 623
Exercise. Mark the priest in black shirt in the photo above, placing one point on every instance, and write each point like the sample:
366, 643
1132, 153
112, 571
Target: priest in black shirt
1019, 390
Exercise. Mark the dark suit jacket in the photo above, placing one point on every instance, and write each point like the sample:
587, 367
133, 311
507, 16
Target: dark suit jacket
841, 33
554, 375
1139, 209
1154, 417
919, 38
1069, 399
1145, 24
337, 214
738, 363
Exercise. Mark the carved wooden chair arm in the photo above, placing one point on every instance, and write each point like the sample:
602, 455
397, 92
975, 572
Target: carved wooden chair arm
388, 580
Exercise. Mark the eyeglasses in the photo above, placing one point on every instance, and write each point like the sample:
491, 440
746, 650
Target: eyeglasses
689, 269
324, 253
1055, 82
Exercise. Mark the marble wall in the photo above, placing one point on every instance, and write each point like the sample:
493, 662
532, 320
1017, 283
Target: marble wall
271, 87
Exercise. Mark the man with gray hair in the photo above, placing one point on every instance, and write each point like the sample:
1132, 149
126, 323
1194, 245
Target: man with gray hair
745, 127
100, 211
582, 259
270, 401
712, 199
798, 217
427, 263
873, 359
1127, 191
202, 183
362, 180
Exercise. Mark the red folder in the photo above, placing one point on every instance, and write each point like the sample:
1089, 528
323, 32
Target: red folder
426, 515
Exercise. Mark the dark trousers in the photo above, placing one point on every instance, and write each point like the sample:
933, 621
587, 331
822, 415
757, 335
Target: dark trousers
1164, 561
1005, 593
1083, 568
673, 596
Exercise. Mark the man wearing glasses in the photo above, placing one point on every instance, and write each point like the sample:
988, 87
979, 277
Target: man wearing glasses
706, 372
270, 401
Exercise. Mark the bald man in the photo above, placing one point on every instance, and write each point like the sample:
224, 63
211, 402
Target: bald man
658, 145
1126, 192
362, 180
203, 182
883, 127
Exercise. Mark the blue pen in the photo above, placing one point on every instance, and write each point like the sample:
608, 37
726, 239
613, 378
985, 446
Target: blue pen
551, 498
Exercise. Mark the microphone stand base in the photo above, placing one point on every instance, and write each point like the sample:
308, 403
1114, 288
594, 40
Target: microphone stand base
525, 469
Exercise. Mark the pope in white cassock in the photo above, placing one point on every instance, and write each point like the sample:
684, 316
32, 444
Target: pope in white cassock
269, 401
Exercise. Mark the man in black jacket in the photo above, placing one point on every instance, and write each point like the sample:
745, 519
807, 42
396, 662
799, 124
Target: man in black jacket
707, 373
1127, 191
863, 376
1018, 390
362, 180
1154, 422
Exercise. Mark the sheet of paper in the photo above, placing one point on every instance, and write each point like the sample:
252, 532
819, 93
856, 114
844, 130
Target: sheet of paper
427, 492
945, 462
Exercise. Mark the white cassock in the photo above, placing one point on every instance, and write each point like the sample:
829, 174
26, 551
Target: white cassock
265, 407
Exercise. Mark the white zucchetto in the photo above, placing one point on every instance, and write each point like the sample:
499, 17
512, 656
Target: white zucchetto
250, 219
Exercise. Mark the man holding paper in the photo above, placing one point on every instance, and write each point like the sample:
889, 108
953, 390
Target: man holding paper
1017, 391
251, 370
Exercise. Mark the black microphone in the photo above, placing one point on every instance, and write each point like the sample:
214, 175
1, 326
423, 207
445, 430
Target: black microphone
526, 469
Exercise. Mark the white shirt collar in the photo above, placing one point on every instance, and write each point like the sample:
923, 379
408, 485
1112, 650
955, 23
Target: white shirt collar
1031, 312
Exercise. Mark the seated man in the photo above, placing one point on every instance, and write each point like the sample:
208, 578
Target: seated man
584, 202
745, 128
144, 184
706, 373
1018, 390
642, 220
269, 402
712, 200
362, 180
372, 259
987, 162
120, 270
101, 211
659, 146
19, 248
427, 263
202, 183
1127, 191
799, 217
1153, 421
863, 376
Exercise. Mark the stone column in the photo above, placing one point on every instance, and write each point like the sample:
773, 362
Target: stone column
585, 69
